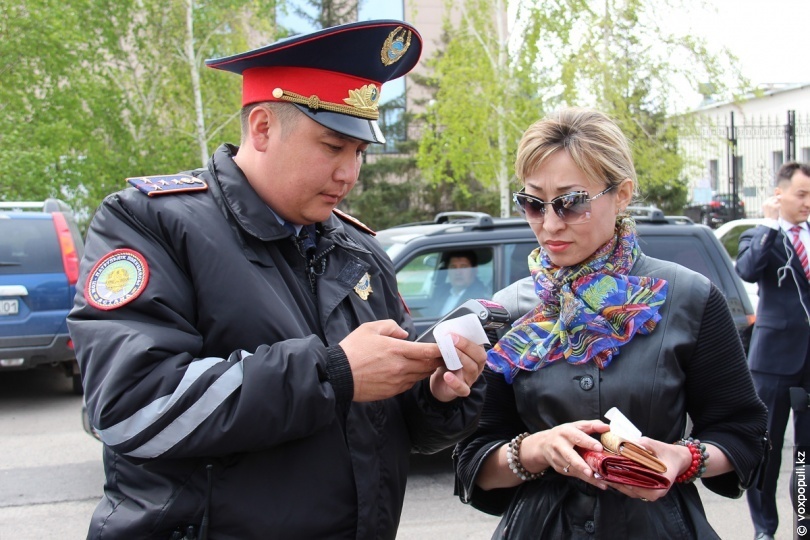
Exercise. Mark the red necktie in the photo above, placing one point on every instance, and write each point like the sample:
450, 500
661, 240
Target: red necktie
800, 251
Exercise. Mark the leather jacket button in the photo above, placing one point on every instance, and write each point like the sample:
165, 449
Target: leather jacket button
590, 527
586, 382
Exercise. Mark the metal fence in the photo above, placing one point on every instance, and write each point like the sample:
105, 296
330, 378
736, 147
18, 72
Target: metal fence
740, 155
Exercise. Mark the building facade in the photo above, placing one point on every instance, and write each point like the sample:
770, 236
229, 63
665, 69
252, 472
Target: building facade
739, 146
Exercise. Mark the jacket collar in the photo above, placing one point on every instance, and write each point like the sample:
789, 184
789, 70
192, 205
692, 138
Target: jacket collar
245, 205
785, 226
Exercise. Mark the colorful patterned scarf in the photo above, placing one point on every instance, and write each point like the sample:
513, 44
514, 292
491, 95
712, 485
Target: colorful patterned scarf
586, 312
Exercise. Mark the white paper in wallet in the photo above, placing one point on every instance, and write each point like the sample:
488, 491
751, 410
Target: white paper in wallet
468, 326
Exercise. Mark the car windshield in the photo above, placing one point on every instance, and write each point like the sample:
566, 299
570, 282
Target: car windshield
730, 235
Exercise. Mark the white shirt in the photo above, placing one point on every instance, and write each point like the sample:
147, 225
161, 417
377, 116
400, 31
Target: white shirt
804, 234
452, 301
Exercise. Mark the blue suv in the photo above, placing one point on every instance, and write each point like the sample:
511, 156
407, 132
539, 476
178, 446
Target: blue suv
40, 250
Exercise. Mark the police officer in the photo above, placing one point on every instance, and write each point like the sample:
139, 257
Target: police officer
245, 355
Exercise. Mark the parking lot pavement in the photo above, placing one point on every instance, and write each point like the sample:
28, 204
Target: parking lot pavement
432, 511
51, 476
50, 470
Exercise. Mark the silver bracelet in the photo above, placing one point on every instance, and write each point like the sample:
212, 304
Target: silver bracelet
513, 459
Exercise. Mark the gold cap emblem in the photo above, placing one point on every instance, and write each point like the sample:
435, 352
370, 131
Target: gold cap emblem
395, 46
365, 98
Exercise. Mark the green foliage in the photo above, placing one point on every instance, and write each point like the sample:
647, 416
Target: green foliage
659, 165
391, 191
483, 100
40, 89
326, 13
614, 55
627, 63
385, 193
95, 91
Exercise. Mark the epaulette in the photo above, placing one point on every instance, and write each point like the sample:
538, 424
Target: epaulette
167, 184
349, 219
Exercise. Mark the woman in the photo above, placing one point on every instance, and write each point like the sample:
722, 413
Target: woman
605, 326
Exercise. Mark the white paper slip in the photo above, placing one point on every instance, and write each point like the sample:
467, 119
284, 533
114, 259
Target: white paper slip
468, 326
622, 426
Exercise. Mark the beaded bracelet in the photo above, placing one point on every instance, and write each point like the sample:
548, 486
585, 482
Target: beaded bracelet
513, 458
699, 458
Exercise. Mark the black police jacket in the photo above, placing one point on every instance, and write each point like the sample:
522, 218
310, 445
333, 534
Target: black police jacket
218, 387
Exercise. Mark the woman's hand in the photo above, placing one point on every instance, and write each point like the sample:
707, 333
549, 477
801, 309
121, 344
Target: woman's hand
555, 448
677, 459
448, 385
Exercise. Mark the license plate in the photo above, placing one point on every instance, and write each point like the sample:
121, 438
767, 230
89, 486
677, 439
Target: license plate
9, 307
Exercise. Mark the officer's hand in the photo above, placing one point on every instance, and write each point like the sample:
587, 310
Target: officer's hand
448, 385
383, 363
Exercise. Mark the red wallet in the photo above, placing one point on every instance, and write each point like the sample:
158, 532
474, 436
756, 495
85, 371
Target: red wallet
621, 470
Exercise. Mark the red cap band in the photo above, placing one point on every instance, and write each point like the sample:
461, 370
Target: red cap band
258, 84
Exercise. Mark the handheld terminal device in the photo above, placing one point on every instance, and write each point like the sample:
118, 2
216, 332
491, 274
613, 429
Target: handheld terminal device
490, 314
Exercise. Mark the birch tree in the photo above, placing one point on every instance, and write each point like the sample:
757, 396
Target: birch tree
100, 90
484, 99
615, 55
624, 59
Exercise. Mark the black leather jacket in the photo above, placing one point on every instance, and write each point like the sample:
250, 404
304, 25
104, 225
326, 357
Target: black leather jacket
222, 385
692, 363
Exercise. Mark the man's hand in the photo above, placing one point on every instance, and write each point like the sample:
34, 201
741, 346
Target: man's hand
383, 363
448, 385
770, 207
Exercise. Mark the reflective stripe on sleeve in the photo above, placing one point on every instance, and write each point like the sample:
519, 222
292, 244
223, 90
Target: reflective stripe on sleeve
217, 393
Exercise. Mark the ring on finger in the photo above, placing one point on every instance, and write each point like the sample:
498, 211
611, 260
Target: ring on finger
642, 499
565, 469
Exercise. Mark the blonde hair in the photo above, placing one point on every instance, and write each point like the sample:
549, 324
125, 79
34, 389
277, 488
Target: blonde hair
592, 140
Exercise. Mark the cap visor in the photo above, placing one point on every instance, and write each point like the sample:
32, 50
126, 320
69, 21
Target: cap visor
359, 128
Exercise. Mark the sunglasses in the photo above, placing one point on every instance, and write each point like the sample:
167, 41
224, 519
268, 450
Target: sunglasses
571, 208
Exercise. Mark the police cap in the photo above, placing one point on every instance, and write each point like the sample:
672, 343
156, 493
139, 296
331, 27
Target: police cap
334, 75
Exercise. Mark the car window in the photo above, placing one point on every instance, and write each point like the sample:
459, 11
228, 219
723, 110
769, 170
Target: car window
29, 246
516, 260
433, 283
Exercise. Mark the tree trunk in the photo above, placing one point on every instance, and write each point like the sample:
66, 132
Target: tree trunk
194, 65
503, 148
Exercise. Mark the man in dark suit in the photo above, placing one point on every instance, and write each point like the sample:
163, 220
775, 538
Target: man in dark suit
462, 281
774, 255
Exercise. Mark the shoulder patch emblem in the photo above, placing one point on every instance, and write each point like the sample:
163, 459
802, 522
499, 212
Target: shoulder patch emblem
353, 221
167, 184
117, 279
